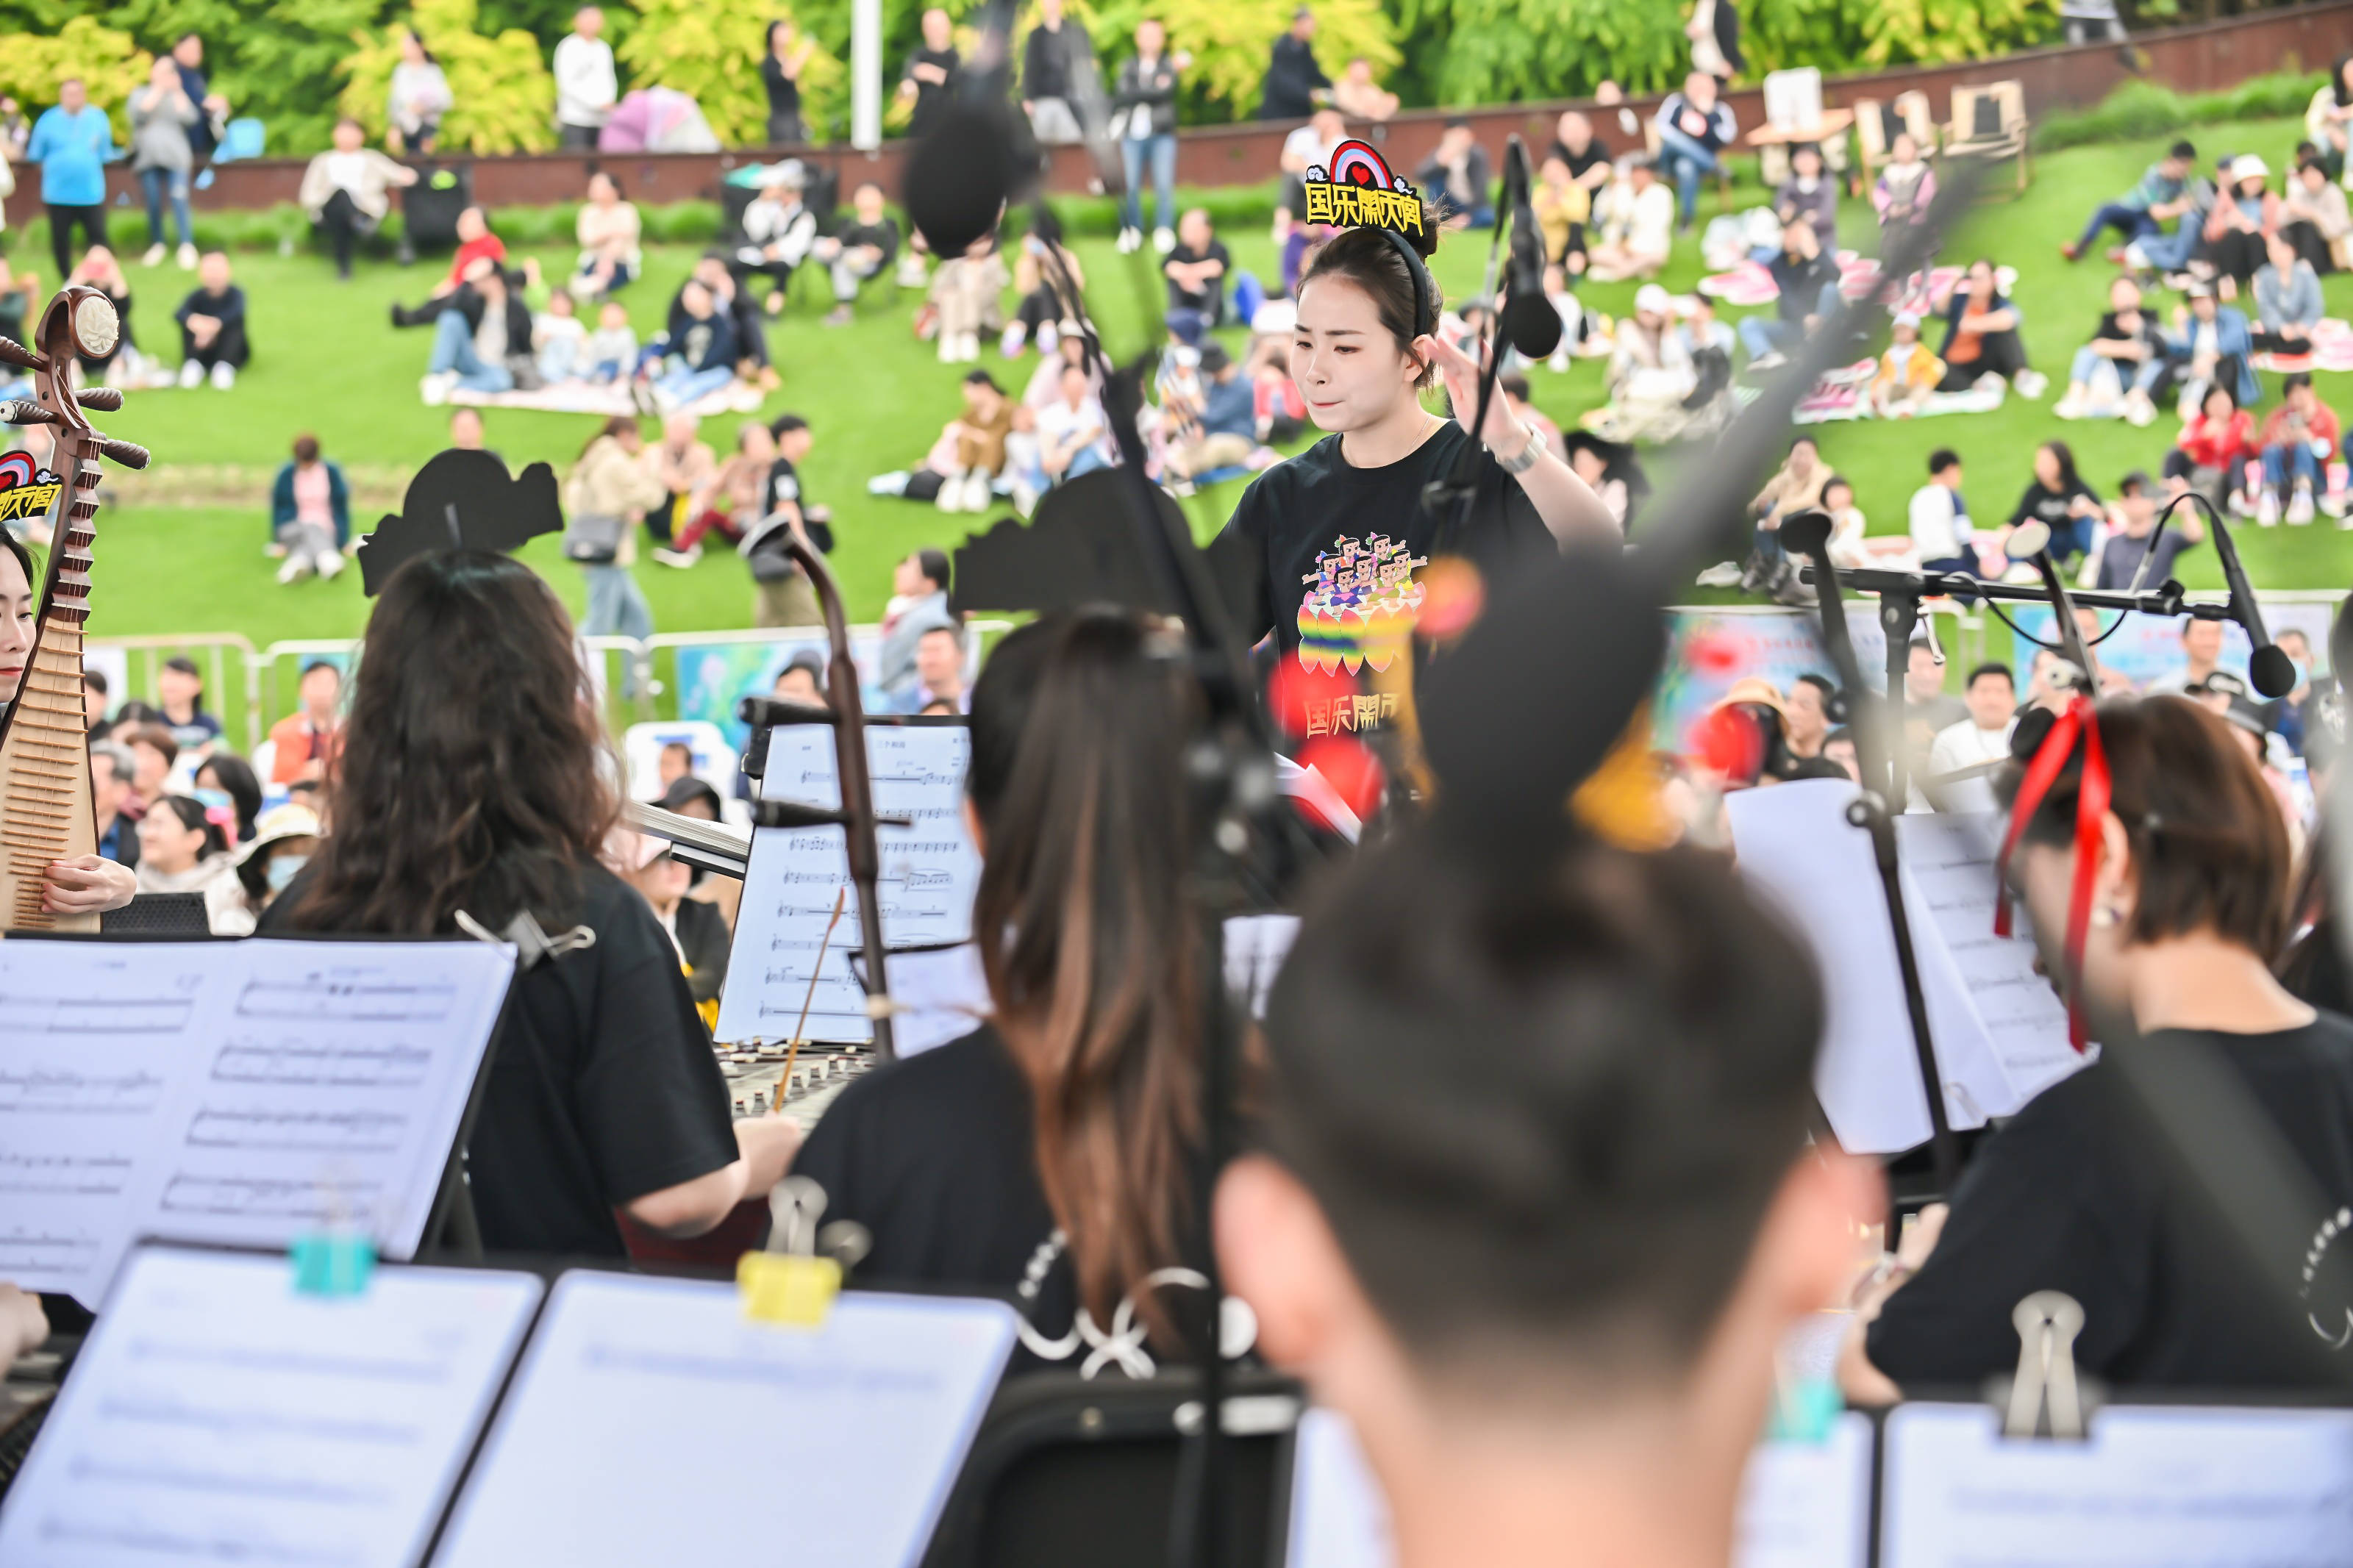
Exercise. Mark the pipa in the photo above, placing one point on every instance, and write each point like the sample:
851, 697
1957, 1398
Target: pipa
46, 810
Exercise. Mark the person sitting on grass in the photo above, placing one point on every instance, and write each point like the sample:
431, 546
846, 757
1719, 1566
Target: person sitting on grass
2132, 529
2211, 344
2058, 498
2245, 216
1637, 226
779, 232
559, 340
863, 249
612, 349
730, 503
2315, 217
2122, 369
484, 327
609, 230
1981, 338
1563, 209
2212, 451
2288, 305
1907, 373
703, 357
211, 326
309, 512
346, 192
2141, 213
1808, 282
2297, 440
476, 243
1811, 193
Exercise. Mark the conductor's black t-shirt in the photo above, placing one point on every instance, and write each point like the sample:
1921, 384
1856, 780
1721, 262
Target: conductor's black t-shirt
2074, 1194
1338, 548
933, 1156
603, 1086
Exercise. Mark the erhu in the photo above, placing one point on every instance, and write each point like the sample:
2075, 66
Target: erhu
46, 810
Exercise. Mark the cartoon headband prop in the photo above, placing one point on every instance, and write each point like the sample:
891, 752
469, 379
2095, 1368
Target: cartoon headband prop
1359, 192
2091, 794
461, 500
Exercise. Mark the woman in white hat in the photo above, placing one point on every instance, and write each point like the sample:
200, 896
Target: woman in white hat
2243, 219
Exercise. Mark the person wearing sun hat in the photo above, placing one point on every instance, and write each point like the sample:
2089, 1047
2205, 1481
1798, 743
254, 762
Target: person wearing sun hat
2246, 213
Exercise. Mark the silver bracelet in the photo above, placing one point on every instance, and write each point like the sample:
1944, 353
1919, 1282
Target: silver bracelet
1529, 453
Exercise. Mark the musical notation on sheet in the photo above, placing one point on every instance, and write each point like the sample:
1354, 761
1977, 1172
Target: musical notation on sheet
258, 1087
929, 872
219, 1415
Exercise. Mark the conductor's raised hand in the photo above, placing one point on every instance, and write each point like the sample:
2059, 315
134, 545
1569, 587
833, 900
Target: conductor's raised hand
1461, 373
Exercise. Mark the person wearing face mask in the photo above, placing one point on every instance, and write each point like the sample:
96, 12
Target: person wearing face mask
1346, 515
283, 839
79, 884
184, 848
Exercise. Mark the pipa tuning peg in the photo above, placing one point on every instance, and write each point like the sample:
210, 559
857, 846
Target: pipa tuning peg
18, 411
130, 454
16, 353
105, 399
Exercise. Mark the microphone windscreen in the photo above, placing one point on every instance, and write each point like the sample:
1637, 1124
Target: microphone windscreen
2272, 672
1806, 533
959, 176
1531, 325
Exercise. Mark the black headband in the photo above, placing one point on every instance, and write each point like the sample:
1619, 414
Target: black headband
1425, 290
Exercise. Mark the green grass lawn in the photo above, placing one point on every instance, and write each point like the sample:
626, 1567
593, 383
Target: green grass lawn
326, 362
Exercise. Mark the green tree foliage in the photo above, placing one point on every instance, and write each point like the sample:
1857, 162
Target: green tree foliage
503, 94
1504, 52
110, 63
1902, 30
710, 51
272, 59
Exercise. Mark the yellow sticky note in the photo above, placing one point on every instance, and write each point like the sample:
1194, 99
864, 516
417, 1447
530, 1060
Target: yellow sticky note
784, 1287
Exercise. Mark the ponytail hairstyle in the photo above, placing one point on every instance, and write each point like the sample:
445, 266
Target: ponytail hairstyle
1079, 730
1376, 262
192, 813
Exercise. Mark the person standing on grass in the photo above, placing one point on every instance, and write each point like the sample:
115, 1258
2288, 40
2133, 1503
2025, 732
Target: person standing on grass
787, 56
609, 489
161, 118
586, 86
73, 142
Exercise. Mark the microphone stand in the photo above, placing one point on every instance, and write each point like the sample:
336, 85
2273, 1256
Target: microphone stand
1809, 533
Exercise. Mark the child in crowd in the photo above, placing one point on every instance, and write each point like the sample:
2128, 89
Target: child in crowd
1847, 525
1906, 187
1908, 372
559, 340
612, 348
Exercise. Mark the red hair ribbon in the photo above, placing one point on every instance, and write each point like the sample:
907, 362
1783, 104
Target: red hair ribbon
2091, 811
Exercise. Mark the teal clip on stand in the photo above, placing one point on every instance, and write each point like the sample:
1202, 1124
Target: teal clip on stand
333, 1263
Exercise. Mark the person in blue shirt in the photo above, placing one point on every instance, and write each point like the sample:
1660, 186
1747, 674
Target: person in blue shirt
73, 142
1225, 432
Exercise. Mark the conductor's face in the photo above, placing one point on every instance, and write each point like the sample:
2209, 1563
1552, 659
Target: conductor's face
1348, 366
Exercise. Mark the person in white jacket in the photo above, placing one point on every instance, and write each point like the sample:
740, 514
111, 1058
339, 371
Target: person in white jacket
182, 849
586, 86
779, 231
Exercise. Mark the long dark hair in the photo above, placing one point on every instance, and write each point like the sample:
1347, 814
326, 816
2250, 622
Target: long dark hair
1369, 261
2065, 457
474, 774
236, 780
1078, 741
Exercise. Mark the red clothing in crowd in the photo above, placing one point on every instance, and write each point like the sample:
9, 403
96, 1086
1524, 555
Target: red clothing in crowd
2218, 445
2321, 427
490, 245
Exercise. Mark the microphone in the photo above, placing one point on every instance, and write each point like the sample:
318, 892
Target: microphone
1527, 321
2270, 671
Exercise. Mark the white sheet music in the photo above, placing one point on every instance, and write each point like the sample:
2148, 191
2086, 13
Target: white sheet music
1950, 859
1339, 1517
929, 874
1796, 847
2177, 1486
229, 1092
1807, 1505
638, 1396
1802, 1505
219, 1416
